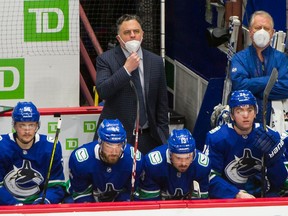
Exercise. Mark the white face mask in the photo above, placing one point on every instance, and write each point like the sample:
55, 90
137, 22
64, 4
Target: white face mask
131, 46
261, 38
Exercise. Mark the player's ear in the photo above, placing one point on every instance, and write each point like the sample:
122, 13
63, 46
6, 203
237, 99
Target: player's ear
231, 116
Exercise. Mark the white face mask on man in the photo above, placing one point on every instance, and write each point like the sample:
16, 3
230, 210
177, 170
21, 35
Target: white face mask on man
131, 46
261, 38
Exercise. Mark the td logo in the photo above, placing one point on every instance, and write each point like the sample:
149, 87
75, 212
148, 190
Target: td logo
11, 78
89, 126
52, 127
46, 20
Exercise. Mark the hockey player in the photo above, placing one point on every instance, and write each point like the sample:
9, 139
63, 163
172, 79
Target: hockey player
24, 161
236, 149
172, 171
101, 171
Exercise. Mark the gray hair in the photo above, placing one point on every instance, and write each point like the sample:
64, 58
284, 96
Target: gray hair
263, 14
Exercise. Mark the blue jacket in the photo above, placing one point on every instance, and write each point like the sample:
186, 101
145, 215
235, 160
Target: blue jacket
247, 72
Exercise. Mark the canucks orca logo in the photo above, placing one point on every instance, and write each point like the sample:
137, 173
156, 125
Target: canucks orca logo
239, 170
108, 195
23, 181
178, 194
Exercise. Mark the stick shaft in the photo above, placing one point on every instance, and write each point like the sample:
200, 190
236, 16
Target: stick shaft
133, 176
51, 161
267, 90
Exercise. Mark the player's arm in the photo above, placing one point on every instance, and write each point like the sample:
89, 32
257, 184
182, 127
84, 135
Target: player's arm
81, 187
5, 197
139, 167
219, 187
274, 149
270, 144
125, 195
148, 189
203, 174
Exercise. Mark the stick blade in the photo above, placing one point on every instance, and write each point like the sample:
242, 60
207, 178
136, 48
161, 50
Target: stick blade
273, 78
4, 109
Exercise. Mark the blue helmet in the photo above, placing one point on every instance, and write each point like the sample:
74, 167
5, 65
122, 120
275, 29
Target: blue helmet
111, 131
242, 97
25, 112
181, 142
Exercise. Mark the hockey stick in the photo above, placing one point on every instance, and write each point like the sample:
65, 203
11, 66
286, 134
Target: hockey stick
51, 161
136, 132
234, 24
4, 109
267, 90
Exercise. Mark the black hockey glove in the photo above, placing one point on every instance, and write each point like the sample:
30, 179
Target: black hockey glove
270, 145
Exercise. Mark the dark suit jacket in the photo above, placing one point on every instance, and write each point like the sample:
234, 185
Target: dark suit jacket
112, 83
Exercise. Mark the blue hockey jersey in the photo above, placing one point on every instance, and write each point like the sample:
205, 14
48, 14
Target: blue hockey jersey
93, 180
236, 164
162, 181
23, 172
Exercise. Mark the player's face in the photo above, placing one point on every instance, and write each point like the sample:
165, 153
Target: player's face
25, 131
181, 161
244, 117
111, 152
130, 30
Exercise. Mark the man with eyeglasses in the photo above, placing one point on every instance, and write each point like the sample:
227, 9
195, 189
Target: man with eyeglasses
25, 160
101, 171
236, 150
175, 171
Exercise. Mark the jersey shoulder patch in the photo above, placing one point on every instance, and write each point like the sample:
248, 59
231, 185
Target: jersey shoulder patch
50, 139
155, 157
138, 154
203, 159
81, 154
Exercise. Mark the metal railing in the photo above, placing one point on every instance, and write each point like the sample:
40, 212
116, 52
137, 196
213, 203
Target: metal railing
87, 61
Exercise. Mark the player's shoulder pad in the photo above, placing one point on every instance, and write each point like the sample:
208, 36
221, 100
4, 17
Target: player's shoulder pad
138, 153
203, 159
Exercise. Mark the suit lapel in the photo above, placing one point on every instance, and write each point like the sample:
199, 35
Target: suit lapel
146, 68
119, 56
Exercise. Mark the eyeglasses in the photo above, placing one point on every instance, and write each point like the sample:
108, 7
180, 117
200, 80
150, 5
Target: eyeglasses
27, 126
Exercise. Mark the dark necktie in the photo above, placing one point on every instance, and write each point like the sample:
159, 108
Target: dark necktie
137, 83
